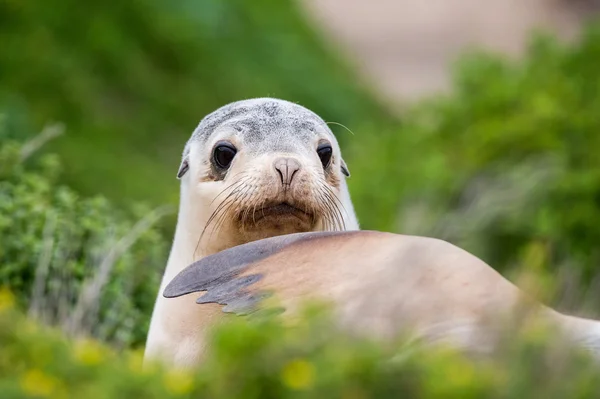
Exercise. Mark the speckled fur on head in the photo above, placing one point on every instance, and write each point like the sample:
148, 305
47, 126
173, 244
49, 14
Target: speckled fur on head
258, 118
265, 132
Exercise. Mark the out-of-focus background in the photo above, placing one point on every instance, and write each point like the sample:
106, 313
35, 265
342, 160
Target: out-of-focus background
470, 121
406, 47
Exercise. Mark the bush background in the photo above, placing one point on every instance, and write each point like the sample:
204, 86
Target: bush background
506, 166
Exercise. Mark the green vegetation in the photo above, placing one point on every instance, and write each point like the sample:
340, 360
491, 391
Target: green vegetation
505, 166
78, 263
131, 80
264, 359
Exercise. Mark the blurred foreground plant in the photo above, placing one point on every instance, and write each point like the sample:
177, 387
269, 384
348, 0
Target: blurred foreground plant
265, 358
78, 263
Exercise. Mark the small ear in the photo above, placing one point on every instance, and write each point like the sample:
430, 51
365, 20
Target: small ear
345, 170
183, 168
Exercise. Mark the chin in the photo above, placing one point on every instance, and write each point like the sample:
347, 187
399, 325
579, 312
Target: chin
275, 222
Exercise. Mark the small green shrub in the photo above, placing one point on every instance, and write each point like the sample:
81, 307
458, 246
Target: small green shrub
263, 358
75, 262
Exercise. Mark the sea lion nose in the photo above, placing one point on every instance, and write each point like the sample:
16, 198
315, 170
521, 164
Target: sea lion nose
287, 168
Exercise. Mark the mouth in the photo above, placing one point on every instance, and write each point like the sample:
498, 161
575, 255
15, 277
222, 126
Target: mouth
281, 210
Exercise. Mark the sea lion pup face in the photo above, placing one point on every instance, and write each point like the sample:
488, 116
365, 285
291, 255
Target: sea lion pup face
264, 167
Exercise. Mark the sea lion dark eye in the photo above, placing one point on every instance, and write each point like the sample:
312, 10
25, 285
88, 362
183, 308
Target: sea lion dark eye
223, 155
325, 152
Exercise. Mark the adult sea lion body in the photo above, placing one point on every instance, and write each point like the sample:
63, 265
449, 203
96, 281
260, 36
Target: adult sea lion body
252, 169
380, 285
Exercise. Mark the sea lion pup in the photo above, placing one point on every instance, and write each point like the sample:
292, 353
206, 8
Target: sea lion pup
252, 169
380, 285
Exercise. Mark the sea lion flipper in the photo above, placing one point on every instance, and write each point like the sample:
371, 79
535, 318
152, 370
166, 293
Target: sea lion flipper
219, 274
234, 295
226, 276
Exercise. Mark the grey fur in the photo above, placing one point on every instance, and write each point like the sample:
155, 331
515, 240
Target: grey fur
219, 274
267, 124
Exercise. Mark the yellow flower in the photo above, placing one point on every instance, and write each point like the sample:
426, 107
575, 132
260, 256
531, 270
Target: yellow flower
298, 374
88, 352
7, 300
36, 383
450, 372
178, 382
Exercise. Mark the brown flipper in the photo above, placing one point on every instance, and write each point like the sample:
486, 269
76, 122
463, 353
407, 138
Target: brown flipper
220, 274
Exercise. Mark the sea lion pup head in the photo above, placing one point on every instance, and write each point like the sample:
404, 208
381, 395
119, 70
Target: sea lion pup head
264, 167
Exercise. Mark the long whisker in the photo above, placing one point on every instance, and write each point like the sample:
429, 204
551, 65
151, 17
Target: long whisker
244, 215
328, 204
344, 126
328, 210
227, 202
246, 198
329, 223
246, 212
235, 183
256, 204
222, 208
332, 205
338, 204
220, 217
230, 197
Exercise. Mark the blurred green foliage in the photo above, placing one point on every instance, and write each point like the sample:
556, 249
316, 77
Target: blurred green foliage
262, 358
79, 263
503, 167
131, 80
506, 166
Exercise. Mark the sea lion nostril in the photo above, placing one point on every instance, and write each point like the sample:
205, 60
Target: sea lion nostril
287, 169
